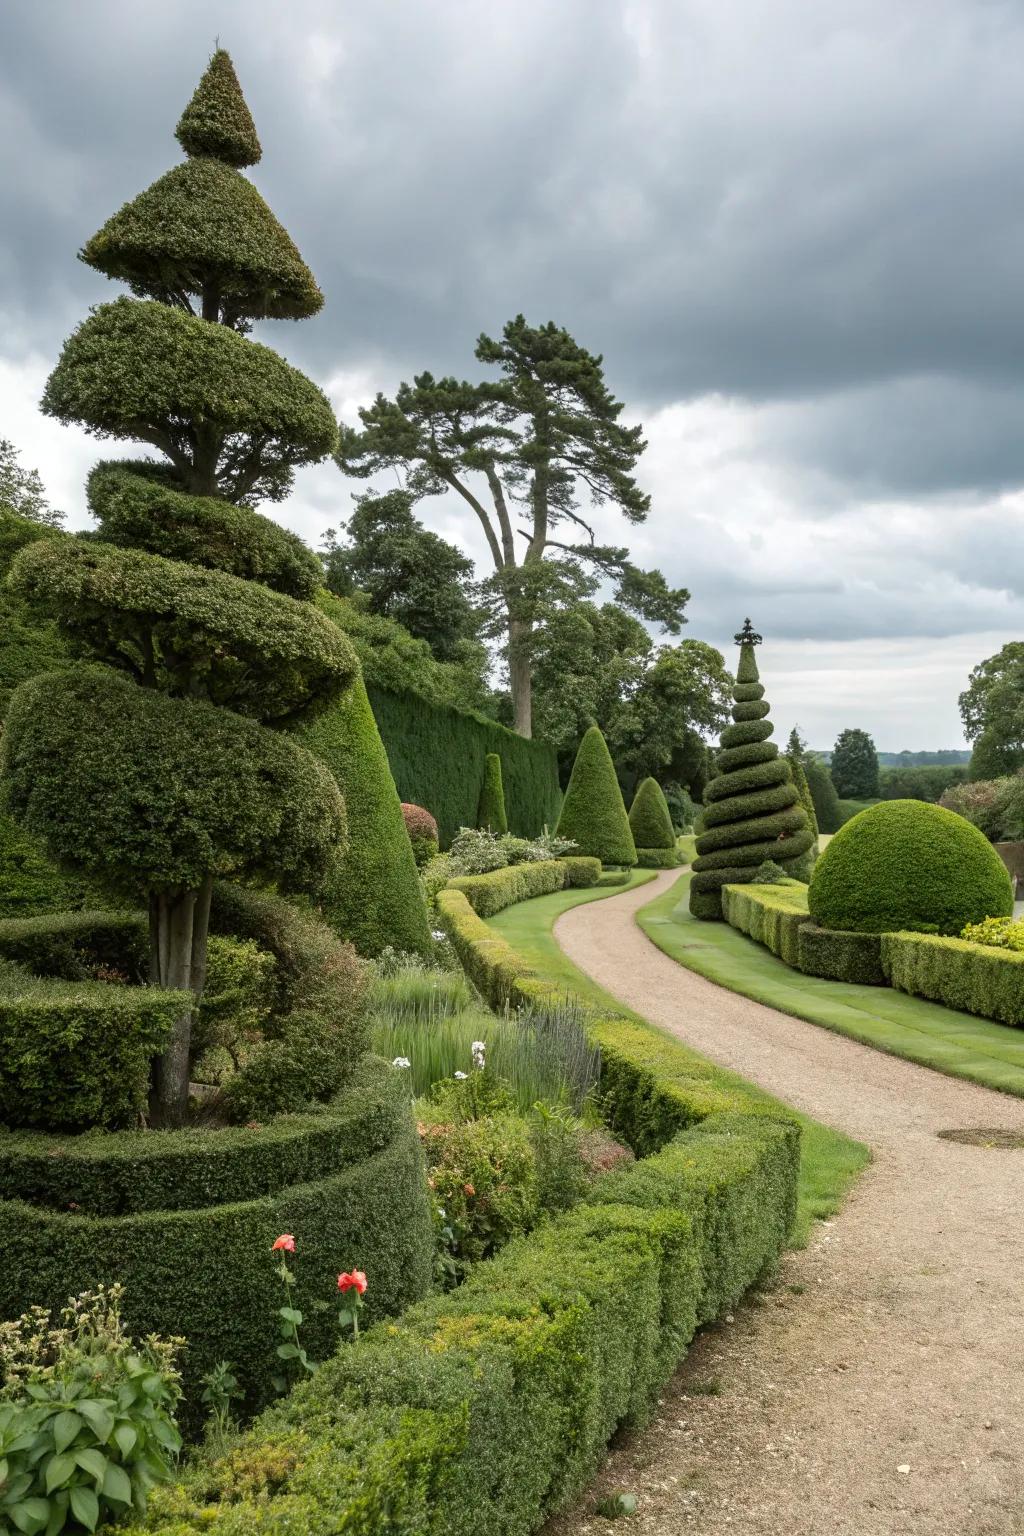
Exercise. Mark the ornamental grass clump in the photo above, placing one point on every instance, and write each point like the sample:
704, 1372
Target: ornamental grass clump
148, 763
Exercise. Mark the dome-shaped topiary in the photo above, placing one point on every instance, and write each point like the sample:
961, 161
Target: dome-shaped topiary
904, 864
490, 814
593, 813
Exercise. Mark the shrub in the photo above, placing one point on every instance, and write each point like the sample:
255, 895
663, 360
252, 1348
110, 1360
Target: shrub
657, 858
752, 809
771, 914
374, 897
979, 803
74, 946
823, 794
840, 956
501, 888
593, 814
903, 864
975, 978
649, 818
30, 883
475, 851
491, 810
483, 1175
87, 1422
997, 932
422, 830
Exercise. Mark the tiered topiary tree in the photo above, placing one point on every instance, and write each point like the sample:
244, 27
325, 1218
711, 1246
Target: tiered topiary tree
752, 809
490, 814
163, 758
650, 822
593, 814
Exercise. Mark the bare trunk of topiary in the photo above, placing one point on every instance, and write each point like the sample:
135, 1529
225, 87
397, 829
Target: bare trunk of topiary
179, 922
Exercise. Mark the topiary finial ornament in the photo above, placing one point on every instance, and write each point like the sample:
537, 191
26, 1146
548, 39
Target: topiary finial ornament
748, 635
217, 122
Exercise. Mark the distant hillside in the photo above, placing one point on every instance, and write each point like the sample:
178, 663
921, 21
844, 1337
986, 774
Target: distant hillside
916, 759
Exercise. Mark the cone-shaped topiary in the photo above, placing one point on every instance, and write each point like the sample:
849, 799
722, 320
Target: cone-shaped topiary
593, 814
801, 869
375, 897
153, 766
752, 809
650, 822
490, 814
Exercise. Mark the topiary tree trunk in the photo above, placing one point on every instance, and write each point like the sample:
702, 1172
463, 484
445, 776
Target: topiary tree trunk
752, 809
149, 763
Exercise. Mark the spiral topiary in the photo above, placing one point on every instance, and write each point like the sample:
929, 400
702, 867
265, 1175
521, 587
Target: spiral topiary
907, 865
150, 763
752, 810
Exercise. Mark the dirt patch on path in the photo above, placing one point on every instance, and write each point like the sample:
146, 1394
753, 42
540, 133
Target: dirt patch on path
878, 1390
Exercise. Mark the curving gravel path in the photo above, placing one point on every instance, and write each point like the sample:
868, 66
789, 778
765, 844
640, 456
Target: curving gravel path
878, 1390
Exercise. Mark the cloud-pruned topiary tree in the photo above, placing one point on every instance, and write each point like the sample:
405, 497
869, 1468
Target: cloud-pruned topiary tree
149, 762
752, 809
490, 816
650, 822
593, 814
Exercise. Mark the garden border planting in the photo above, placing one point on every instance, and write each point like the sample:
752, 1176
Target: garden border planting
501, 888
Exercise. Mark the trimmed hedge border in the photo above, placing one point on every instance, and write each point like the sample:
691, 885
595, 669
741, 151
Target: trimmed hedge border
484, 1410
975, 978
501, 888
773, 915
206, 1271
838, 955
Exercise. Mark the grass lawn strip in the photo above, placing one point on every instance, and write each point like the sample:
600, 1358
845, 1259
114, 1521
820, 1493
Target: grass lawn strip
959, 1044
829, 1161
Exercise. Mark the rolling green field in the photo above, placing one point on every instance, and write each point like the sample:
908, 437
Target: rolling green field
829, 1162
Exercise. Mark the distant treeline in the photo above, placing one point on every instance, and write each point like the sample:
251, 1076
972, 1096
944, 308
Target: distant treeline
916, 759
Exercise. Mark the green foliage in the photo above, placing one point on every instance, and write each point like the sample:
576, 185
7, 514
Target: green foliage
998, 932
491, 810
796, 767
752, 810
501, 888
202, 223
346, 1181
992, 708
994, 757
406, 573
437, 756
207, 634
925, 783
838, 955
854, 766
422, 830
139, 506
74, 1055
984, 805
27, 645
657, 858
649, 818
74, 946
484, 1179
217, 121
772, 914
87, 1423
374, 898
902, 864
593, 814
29, 882
222, 794
975, 978
394, 662
21, 491
138, 366
823, 794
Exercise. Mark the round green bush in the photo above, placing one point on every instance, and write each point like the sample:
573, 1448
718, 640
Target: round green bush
904, 864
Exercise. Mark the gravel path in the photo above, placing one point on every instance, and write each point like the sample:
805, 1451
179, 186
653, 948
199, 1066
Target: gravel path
878, 1390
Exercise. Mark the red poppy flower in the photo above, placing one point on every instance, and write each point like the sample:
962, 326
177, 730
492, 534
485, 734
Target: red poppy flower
352, 1280
285, 1241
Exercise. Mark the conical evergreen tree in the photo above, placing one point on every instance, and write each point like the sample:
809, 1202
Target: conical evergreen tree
152, 765
752, 809
650, 822
593, 813
491, 809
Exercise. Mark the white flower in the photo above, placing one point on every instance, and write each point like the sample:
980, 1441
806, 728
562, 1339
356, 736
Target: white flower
442, 1212
478, 1048
401, 1061
438, 935
461, 1076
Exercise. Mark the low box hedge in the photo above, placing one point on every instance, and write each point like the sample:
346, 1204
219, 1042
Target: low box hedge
836, 955
501, 888
975, 978
358, 1199
71, 945
480, 1412
771, 914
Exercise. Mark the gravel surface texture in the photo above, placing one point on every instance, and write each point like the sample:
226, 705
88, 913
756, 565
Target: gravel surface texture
878, 1388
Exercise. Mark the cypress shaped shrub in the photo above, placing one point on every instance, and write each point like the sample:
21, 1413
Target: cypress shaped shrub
374, 897
752, 809
491, 810
593, 813
827, 813
650, 822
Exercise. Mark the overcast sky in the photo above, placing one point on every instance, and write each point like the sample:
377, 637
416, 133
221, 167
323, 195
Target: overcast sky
794, 230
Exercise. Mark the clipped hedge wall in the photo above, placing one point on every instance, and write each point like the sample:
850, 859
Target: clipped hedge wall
975, 978
437, 756
203, 1268
771, 914
480, 1412
838, 955
70, 945
501, 888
